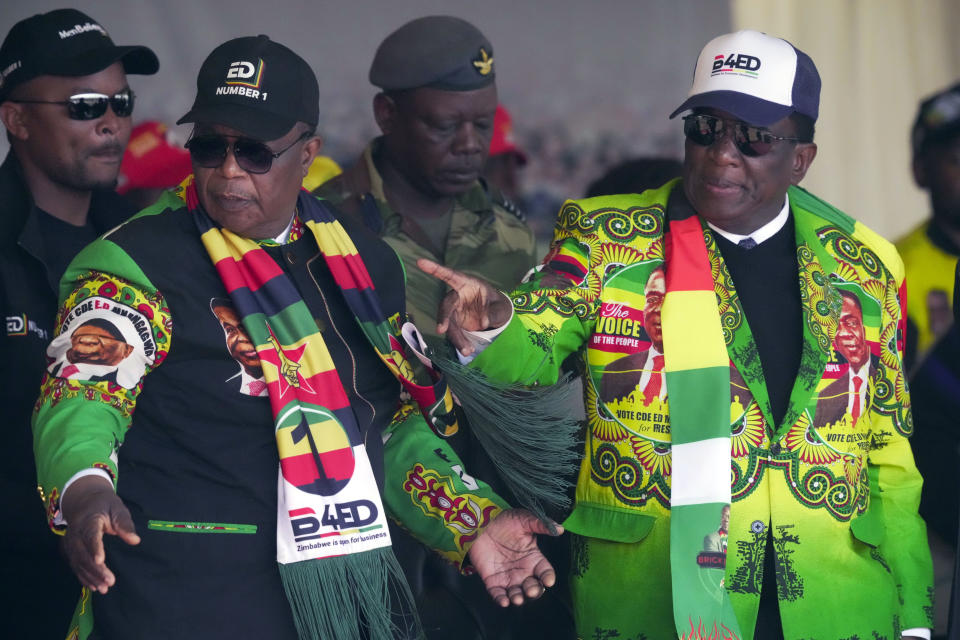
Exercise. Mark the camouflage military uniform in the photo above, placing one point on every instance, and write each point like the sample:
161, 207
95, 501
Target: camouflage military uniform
488, 237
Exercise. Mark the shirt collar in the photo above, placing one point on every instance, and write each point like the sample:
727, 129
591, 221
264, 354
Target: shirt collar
862, 371
282, 238
765, 232
376, 182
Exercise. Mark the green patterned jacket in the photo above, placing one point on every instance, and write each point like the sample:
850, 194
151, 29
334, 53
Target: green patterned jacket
835, 481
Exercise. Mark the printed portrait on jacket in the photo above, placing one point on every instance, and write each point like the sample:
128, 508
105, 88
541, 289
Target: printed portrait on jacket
241, 348
638, 377
716, 541
102, 340
854, 368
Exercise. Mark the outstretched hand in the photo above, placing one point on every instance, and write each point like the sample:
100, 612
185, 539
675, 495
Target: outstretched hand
471, 304
508, 560
92, 509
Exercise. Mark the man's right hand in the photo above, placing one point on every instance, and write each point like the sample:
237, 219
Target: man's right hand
471, 304
92, 508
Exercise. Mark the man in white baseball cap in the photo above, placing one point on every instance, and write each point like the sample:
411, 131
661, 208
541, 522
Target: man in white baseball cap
823, 538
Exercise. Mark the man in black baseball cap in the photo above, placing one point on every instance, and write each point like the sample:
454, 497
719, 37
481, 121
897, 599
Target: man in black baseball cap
66, 107
930, 250
65, 42
230, 512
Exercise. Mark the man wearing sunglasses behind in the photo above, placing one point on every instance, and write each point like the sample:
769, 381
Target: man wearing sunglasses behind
229, 512
65, 104
823, 537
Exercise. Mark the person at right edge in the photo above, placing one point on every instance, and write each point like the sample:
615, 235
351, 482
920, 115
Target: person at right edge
930, 251
823, 540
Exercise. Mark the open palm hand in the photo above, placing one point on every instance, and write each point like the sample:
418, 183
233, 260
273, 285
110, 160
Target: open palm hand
508, 559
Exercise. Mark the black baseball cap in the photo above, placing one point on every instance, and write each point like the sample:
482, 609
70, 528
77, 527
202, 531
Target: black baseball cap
938, 119
64, 42
256, 86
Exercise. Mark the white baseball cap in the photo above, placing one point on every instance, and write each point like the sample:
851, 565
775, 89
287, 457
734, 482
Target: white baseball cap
757, 78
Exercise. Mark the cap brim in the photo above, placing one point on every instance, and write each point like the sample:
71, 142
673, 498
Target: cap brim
252, 123
946, 133
743, 107
135, 59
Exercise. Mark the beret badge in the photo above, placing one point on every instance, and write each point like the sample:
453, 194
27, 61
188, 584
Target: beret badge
483, 63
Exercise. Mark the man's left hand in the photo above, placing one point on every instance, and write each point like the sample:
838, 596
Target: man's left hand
508, 560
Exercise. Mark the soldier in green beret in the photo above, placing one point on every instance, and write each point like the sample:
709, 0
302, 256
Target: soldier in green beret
418, 185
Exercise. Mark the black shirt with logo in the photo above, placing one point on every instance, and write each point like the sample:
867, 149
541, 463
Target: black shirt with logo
35, 249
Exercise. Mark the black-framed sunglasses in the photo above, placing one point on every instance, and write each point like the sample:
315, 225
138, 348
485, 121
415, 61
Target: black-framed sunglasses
90, 106
252, 156
751, 141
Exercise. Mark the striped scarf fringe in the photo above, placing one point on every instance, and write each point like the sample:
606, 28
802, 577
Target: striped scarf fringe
355, 588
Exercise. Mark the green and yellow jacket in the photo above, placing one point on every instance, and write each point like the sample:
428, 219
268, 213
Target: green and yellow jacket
839, 495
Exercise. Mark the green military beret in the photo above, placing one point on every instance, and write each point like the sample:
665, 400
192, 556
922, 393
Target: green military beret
441, 52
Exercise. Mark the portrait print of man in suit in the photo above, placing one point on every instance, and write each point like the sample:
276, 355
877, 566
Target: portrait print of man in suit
716, 541
643, 370
97, 347
241, 348
850, 393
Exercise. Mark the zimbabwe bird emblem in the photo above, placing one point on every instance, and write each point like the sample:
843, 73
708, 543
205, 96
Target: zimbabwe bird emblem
484, 64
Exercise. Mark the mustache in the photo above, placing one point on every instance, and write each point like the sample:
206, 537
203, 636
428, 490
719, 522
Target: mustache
464, 167
108, 148
235, 195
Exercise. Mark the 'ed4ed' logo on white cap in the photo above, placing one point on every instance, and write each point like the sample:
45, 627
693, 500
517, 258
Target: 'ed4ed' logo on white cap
736, 63
755, 77
747, 62
245, 73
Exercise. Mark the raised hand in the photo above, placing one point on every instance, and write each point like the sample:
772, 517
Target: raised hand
471, 304
92, 509
508, 560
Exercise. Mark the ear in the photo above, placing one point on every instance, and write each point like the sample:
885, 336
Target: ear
384, 112
919, 167
802, 159
310, 150
14, 119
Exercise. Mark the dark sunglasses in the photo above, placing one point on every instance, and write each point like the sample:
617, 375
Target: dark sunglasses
90, 106
750, 141
252, 156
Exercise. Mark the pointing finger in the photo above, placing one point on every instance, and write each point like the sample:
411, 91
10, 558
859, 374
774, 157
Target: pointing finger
455, 279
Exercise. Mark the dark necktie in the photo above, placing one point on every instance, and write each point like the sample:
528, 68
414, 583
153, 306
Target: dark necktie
747, 243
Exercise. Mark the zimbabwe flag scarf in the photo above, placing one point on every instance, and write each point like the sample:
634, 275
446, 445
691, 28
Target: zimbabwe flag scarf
333, 546
697, 370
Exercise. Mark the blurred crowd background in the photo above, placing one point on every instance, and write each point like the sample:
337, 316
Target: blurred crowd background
589, 85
